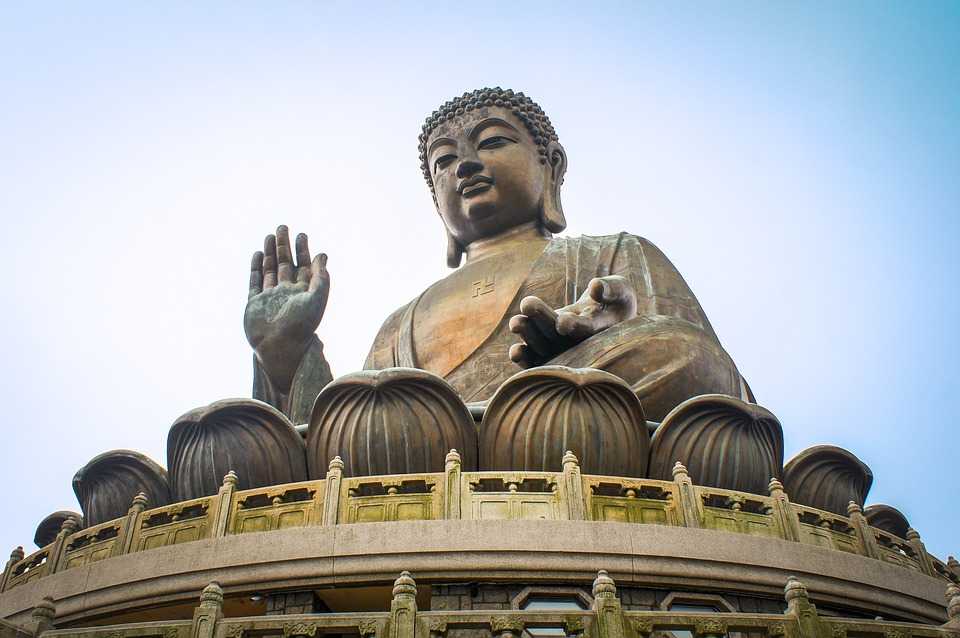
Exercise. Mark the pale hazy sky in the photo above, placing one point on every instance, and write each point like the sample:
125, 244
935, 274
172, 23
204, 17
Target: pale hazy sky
798, 162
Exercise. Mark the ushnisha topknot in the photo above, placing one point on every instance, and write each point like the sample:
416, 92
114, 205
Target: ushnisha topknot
525, 109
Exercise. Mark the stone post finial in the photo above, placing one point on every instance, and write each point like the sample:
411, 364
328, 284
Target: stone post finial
452, 457
405, 585
679, 469
774, 486
140, 501
212, 595
912, 534
569, 458
603, 585
17, 554
952, 562
853, 508
69, 526
230, 479
336, 463
795, 590
43, 615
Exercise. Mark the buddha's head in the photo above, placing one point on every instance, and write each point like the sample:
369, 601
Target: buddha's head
492, 161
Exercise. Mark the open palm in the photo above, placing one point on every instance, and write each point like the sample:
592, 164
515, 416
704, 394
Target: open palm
285, 304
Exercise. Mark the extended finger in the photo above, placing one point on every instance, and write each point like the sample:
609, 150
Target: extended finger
521, 355
303, 259
269, 262
284, 257
256, 274
542, 315
522, 325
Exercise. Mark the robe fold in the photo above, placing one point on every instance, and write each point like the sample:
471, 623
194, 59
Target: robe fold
668, 353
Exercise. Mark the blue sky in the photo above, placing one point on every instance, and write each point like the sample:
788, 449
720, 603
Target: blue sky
798, 162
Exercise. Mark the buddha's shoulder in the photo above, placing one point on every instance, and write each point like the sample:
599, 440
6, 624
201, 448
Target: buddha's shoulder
615, 241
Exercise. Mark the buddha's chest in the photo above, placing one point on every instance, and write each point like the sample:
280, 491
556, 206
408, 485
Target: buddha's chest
456, 315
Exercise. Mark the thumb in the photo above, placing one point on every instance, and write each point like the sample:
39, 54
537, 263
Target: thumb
319, 277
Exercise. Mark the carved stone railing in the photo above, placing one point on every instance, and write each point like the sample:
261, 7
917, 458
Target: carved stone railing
453, 494
605, 619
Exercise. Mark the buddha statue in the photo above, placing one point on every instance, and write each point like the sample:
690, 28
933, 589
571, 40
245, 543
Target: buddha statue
519, 296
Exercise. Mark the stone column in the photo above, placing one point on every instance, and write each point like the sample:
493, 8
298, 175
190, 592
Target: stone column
224, 501
800, 607
403, 607
42, 616
331, 501
606, 606
209, 613
15, 557
690, 505
926, 564
451, 486
572, 491
783, 510
868, 541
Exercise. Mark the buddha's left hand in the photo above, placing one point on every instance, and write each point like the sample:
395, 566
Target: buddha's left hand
547, 332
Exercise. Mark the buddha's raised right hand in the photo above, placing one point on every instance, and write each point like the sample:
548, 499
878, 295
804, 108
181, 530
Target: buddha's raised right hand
285, 305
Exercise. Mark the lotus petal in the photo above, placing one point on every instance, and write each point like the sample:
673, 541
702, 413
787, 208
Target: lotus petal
539, 414
887, 518
724, 442
107, 485
828, 478
391, 421
49, 527
249, 437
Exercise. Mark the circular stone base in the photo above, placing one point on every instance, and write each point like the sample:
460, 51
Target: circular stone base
550, 552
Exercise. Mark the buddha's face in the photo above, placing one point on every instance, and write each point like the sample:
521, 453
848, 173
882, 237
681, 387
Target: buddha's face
487, 175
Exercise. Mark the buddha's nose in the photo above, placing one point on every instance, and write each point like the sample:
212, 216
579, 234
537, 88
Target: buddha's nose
468, 166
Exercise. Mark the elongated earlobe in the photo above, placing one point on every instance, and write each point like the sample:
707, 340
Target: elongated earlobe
551, 215
454, 251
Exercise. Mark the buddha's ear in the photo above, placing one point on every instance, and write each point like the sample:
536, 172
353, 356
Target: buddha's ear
552, 214
454, 251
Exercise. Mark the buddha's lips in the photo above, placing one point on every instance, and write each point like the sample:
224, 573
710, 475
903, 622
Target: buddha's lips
467, 186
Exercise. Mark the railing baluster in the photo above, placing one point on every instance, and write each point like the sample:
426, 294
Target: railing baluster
403, 607
224, 500
331, 502
781, 504
606, 606
868, 541
573, 488
209, 613
690, 504
451, 486
15, 557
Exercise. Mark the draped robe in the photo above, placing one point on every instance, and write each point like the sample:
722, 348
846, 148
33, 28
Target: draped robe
667, 353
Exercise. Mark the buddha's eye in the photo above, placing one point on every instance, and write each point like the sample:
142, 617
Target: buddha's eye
494, 141
442, 162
